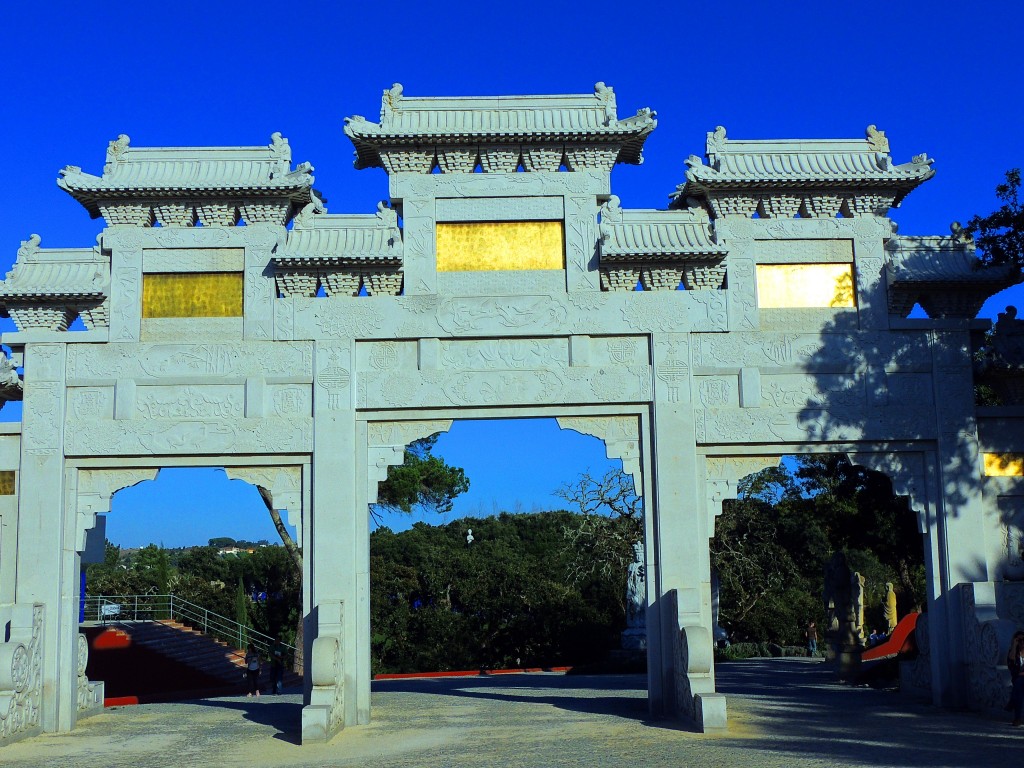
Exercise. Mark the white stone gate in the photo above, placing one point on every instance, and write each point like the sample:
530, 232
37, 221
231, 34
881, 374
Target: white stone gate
305, 359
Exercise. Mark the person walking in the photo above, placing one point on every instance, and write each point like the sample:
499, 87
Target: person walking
252, 670
811, 633
1015, 663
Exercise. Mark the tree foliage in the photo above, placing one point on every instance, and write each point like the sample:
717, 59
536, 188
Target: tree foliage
1000, 234
438, 603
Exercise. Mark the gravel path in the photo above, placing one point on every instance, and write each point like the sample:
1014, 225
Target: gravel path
783, 712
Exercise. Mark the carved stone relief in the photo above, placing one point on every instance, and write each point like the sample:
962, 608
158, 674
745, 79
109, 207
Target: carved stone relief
282, 360
22, 655
211, 436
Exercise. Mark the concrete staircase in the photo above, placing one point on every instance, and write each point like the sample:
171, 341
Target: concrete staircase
219, 663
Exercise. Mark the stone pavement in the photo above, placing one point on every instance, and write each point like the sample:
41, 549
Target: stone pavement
783, 712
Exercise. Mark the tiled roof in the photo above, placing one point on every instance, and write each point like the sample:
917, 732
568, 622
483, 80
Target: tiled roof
640, 233
201, 172
55, 273
334, 238
798, 163
498, 119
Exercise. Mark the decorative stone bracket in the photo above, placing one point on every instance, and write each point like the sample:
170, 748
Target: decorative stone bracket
621, 436
96, 487
723, 474
906, 472
282, 486
386, 443
325, 714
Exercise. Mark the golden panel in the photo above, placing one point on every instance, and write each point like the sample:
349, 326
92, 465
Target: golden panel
7, 482
805, 285
500, 245
192, 294
1004, 464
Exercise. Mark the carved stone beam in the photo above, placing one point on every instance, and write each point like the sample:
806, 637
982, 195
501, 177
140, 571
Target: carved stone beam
283, 485
386, 443
621, 436
723, 474
96, 487
907, 473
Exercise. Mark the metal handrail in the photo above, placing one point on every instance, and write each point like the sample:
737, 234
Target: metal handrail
118, 608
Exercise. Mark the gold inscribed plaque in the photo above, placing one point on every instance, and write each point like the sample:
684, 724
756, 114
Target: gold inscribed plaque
192, 294
1004, 464
805, 285
7, 482
500, 245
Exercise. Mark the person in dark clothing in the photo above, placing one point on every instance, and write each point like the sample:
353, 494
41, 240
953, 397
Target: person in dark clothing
277, 666
252, 670
1015, 663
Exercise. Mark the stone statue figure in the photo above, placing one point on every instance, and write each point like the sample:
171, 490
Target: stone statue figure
636, 590
469, 537
1006, 341
634, 637
857, 607
837, 592
890, 608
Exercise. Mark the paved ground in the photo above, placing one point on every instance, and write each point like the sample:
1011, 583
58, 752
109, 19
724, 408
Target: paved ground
784, 712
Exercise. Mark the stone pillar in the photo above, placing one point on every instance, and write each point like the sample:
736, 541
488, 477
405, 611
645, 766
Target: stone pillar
125, 286
869, 260
959, 505
47, 559
420, 246
258, 285
683, 579
332, 558
581, 272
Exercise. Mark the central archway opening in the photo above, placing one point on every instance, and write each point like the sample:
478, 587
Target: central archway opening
527, 570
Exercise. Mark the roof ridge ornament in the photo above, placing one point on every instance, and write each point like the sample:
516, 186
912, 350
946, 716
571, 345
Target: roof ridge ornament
877, 140
388, 104
716, 142
28, 248
280, 150
116, 151
606, 94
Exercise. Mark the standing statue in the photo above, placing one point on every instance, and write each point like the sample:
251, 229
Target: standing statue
636, 590
857, 607
634, 637
891, 618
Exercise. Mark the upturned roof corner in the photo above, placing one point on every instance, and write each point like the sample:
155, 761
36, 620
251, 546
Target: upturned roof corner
499, 134
809, 177
942, 274
179, 186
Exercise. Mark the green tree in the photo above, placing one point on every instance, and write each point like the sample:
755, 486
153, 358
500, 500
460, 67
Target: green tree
1000, 234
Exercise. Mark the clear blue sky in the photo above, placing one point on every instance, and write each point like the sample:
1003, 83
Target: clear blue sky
938, 77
